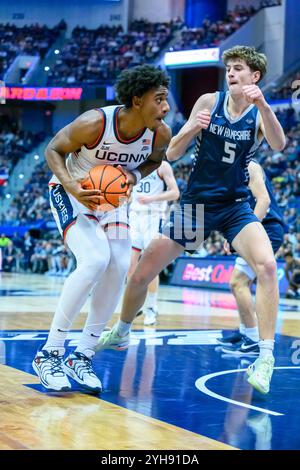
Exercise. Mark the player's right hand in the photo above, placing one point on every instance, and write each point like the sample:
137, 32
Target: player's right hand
90, 198
202, 119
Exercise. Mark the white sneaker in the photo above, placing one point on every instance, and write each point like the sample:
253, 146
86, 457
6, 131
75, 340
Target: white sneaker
79, 367
111, 340
260, 373
49, 368
150, 316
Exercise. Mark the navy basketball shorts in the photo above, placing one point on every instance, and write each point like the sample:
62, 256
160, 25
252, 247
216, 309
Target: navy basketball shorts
275, 233
191, 224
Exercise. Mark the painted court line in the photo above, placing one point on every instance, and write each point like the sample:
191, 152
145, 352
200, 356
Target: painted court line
201, 385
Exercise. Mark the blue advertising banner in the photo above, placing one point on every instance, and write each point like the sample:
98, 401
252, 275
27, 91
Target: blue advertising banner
213, 272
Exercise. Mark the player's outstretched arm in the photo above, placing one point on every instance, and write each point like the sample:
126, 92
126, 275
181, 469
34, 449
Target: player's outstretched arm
199, 119
270, 127
82, 131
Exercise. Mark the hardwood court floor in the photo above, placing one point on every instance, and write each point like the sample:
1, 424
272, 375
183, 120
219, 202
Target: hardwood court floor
171, 390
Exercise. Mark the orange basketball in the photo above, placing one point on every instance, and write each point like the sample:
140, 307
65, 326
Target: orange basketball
112, 183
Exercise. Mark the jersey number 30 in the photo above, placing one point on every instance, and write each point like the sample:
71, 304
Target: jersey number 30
229, 149
144, 187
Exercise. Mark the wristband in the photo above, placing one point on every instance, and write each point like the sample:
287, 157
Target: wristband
137, 175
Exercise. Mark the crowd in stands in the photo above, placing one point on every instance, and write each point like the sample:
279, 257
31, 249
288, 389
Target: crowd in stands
30, 254
31, 205
14, 144
34, 39
99, 55
94, 56
211, 33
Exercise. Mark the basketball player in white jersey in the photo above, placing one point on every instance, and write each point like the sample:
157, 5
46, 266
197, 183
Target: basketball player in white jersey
134, 137
148, 209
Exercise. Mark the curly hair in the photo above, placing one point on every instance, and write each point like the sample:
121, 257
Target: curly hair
137, 81
256, 61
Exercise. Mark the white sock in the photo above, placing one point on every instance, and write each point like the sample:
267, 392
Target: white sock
242, 329
152, 300
252, 333
266, 347
56, 339
123, 328
88, 341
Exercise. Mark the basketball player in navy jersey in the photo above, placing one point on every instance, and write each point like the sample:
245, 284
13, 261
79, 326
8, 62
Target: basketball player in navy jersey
228, 128
262, 201
135, 137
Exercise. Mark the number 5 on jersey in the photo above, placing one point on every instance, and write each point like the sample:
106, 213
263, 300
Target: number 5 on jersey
229, 149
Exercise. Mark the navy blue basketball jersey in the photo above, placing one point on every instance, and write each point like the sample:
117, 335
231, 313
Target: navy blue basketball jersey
274, 214
222, 155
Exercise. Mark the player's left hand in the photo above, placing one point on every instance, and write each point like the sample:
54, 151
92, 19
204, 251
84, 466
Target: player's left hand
253, 94
144, 199
130, 180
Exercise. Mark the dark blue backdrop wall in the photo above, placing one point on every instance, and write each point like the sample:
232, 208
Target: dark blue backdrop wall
292, 21
197, 10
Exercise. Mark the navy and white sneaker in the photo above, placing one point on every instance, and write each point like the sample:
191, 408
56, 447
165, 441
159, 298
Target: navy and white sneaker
79, 368
231, 340
246, 347
48, 365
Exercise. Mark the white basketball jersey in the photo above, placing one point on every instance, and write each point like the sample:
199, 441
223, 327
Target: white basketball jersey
151, 185
110, 148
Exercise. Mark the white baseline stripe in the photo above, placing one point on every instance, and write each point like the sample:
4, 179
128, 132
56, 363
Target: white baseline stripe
200, 384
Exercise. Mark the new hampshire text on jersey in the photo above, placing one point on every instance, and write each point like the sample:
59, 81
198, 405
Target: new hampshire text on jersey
229, 133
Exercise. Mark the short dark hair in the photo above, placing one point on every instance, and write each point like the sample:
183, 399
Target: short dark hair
138, 80
288, 253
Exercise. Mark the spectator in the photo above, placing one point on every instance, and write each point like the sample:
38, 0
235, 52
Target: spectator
9, 258
4, 241
292, 273
27, 252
